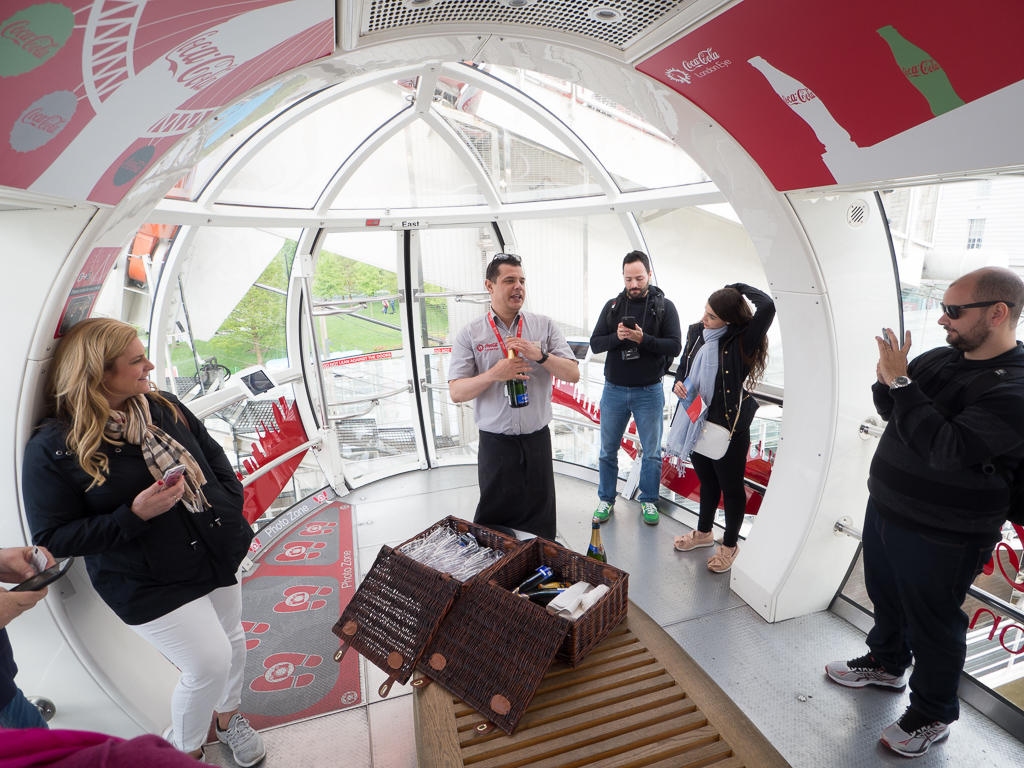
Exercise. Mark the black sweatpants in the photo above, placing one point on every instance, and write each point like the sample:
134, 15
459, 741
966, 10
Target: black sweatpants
517, 482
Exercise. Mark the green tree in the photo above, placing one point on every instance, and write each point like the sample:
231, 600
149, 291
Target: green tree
257, 322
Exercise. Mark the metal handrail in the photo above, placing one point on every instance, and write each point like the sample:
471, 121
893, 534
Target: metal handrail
359, 300
844, 527
457, 295
280, 460
337, 311
373, 398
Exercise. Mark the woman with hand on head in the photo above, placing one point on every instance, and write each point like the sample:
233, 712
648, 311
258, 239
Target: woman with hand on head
723, 355
165, 557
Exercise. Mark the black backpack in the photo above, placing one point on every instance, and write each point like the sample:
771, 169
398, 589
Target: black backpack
659, 314
1012, 473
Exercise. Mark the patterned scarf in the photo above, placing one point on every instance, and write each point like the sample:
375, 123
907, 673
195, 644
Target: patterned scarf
683, 433
135, 425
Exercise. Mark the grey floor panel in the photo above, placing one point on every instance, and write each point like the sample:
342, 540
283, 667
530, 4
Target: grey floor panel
342, 738
670, 586
392, 734
775, 674
415, 482
379, 522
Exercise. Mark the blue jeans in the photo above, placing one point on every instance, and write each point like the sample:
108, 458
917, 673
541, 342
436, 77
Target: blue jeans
918, 583
21, 713
647, 405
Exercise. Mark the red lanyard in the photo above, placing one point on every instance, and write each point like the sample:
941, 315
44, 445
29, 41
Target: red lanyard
501, 341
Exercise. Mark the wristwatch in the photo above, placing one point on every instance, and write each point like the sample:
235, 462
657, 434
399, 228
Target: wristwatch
543, 357
899, 381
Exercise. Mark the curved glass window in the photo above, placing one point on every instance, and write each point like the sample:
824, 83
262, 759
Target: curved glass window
523, 159
635, 153
413, 169
295, 167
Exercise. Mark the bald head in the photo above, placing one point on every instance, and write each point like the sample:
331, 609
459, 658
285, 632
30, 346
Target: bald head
995, 284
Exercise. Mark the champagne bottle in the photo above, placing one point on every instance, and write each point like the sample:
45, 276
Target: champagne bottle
515, 389
596, 548
923, 72
543, 596
536, 578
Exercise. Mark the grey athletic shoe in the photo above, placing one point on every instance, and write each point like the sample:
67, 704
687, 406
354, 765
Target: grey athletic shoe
913, 733
246, 744
863, 671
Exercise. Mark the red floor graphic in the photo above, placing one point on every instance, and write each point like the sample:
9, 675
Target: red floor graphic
303, 581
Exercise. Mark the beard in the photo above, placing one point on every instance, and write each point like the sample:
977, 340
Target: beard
970, 339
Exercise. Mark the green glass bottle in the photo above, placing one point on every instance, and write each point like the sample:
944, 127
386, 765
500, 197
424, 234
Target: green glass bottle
515, 390
596, 548
923, 72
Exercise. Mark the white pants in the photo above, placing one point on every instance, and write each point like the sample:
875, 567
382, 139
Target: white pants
205, 640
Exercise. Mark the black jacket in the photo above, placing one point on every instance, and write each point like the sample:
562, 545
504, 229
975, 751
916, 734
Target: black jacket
927, 473
661, 342
143, 569
732, 370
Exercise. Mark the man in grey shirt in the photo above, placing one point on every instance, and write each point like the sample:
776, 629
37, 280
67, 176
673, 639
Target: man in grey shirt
517, 483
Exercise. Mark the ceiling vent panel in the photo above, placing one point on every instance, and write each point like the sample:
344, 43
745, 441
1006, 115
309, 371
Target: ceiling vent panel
615, 23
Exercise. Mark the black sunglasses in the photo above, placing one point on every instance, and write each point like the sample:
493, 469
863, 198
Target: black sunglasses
952, 311
505, 257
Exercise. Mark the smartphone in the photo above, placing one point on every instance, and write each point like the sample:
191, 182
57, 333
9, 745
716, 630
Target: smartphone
44, 578
171, 475
885, 337
630, 322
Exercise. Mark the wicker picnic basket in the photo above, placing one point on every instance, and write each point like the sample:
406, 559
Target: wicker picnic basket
400, 604
591, 628
492, 651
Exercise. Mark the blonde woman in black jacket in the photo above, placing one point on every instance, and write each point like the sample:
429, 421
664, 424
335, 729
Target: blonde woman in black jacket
739, 339
164, 557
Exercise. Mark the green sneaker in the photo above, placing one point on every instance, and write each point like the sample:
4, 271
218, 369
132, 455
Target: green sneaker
649, 512
604, 511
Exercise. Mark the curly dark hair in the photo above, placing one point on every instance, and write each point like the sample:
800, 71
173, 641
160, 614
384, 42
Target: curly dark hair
731, 306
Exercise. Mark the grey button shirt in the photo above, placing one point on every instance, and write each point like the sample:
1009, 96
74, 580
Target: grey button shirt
476, 350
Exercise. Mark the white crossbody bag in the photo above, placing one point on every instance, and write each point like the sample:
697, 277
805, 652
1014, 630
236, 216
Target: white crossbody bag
714, 439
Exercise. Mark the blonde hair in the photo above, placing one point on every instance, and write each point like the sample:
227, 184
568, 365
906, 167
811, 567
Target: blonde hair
75, 388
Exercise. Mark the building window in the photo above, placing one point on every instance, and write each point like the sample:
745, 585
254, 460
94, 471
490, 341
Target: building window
975, 231
983, 188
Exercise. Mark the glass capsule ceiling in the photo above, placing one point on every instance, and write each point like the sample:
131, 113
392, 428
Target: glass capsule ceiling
471, 136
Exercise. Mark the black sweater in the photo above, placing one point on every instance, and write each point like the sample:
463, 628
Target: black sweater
926, 472
732, 370
143, 569
661, 342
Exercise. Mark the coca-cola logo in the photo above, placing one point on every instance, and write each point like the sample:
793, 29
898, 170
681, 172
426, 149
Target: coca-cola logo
32, 36
703, 64
133, 165
43, 120
702, 59
487, 347
926, 67
801, 96
199, 63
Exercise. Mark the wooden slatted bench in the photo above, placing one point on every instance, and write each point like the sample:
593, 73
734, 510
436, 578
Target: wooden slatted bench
638, 700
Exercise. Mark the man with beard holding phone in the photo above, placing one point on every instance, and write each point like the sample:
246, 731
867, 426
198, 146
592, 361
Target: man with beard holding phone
514, 465
16, 566
639, 329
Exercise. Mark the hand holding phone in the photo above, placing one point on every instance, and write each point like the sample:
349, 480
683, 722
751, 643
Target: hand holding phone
171, 475
44, 578
630, 322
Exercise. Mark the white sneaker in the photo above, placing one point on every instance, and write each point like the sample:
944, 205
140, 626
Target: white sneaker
913, 733
246, 744
863, 671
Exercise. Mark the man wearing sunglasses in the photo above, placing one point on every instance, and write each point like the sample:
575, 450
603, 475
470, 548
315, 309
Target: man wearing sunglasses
514, 466
939, 494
